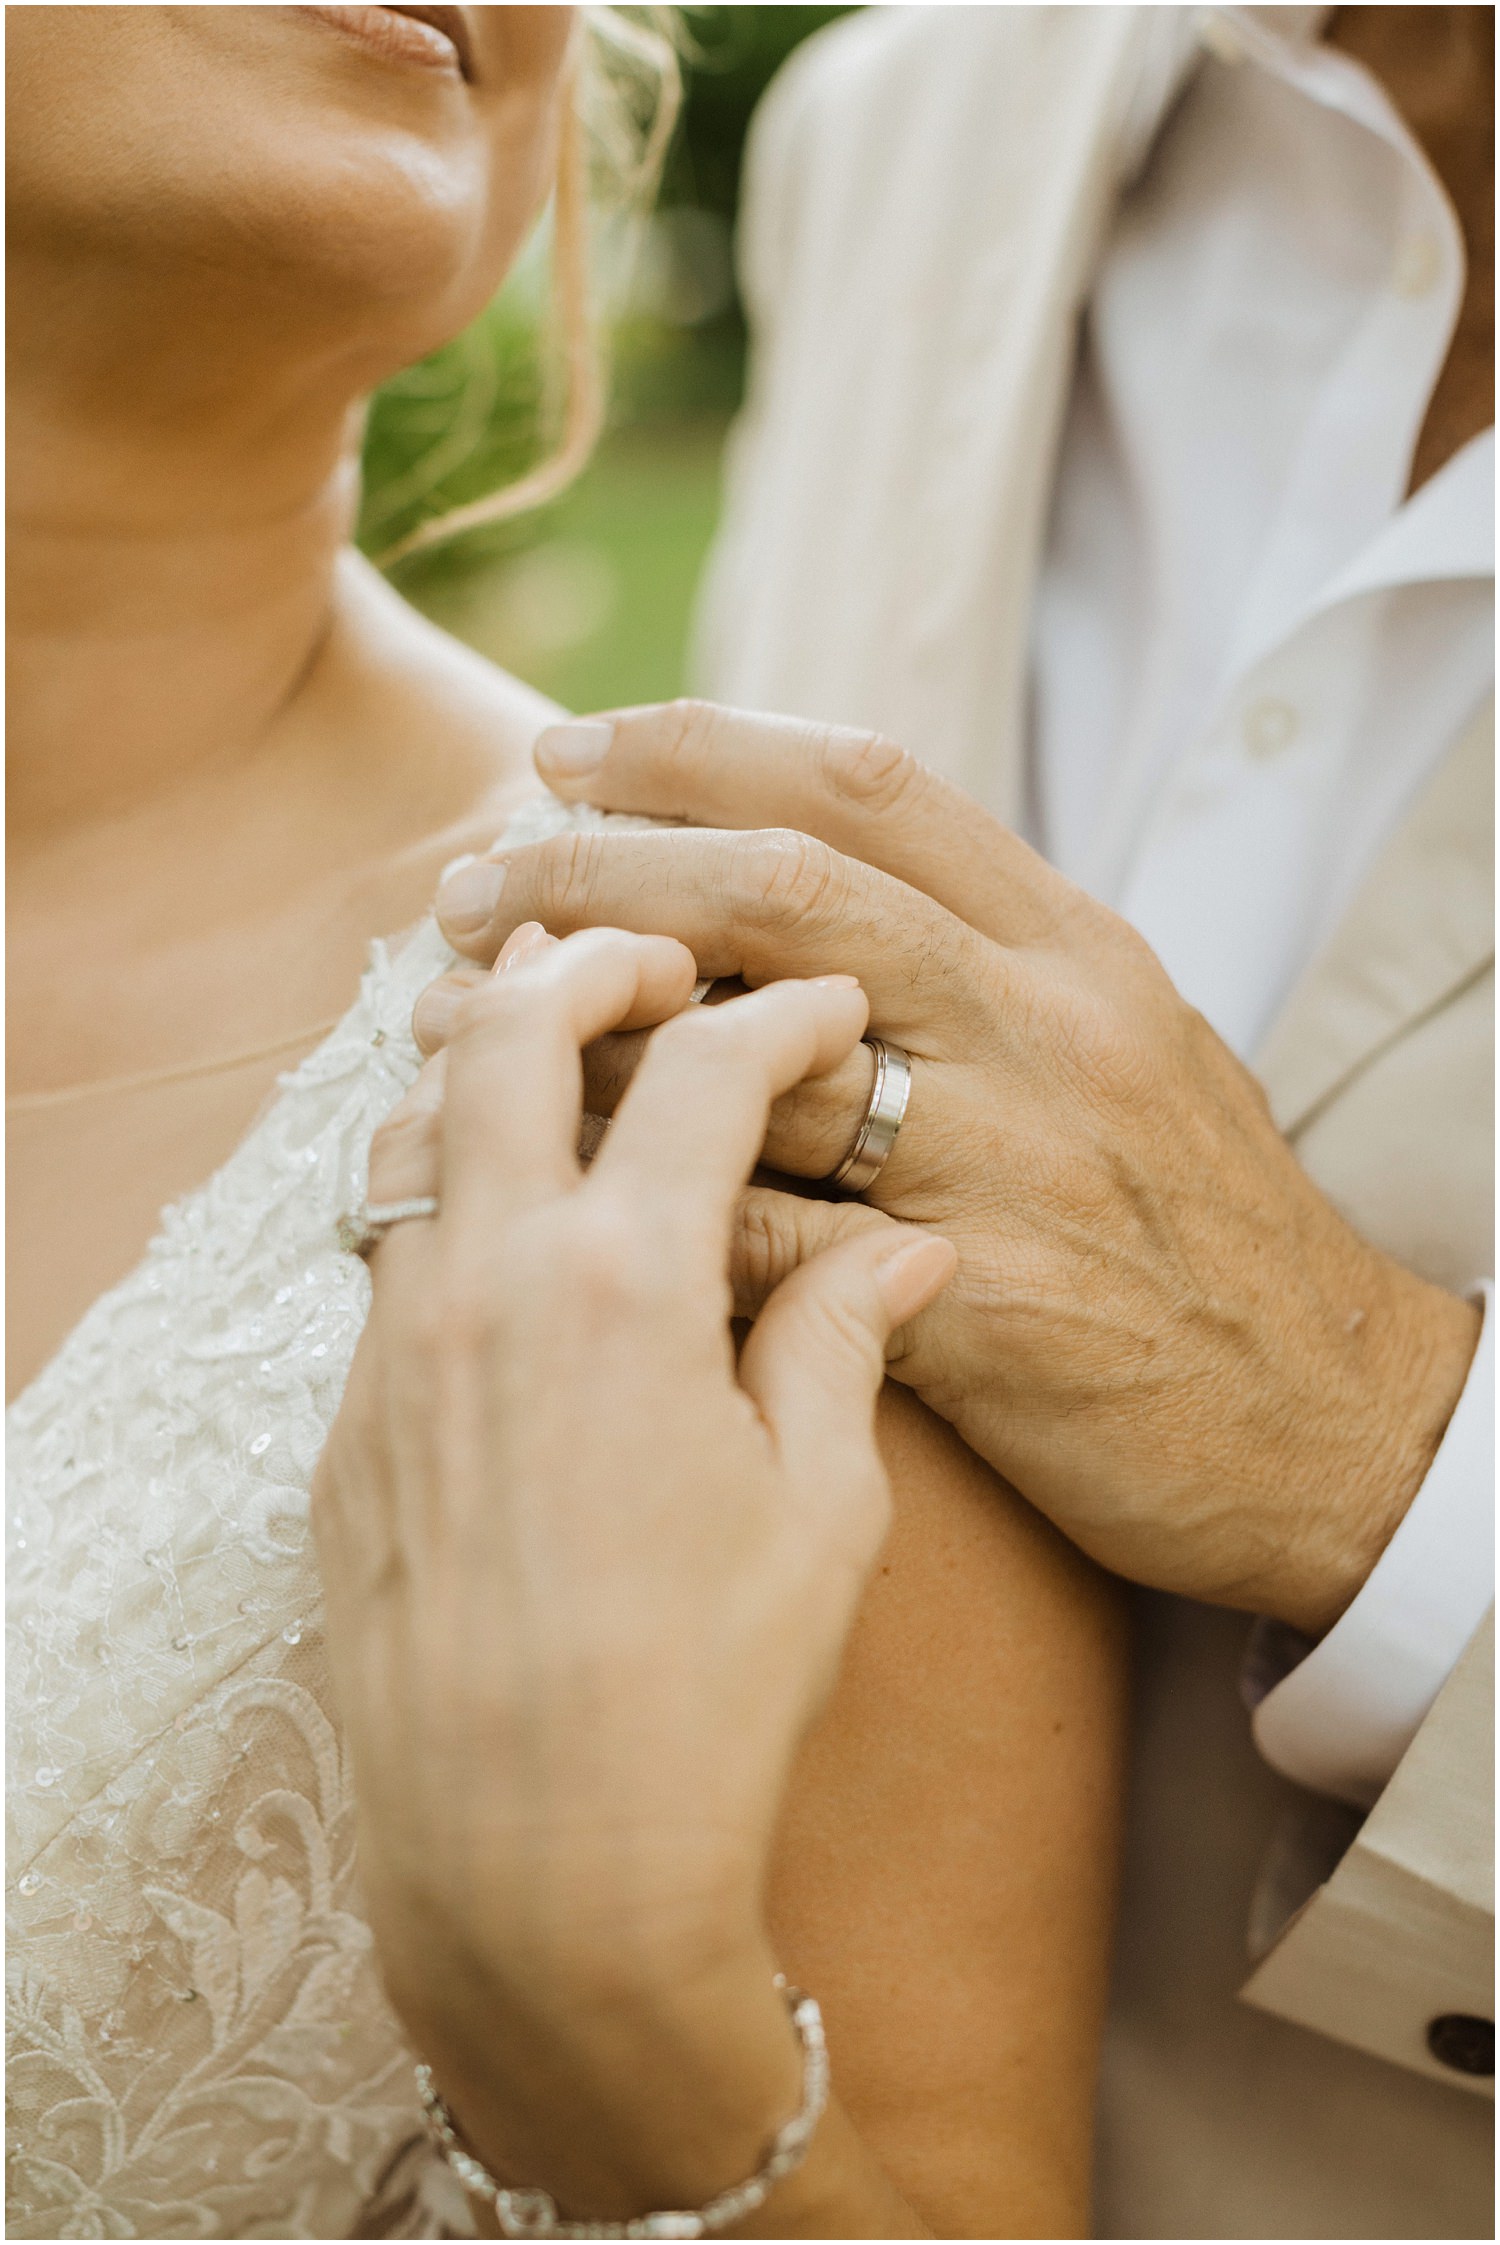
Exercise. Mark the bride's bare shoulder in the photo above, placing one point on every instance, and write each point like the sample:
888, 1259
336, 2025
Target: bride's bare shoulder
412, 687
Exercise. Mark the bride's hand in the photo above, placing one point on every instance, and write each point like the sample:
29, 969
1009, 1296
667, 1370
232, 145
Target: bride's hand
588, 1579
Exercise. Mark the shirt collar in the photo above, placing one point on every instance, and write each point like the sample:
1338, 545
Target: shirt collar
1449, 534
1173, 43
1445, 531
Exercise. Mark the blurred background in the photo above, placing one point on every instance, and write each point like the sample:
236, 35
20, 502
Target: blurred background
590, 598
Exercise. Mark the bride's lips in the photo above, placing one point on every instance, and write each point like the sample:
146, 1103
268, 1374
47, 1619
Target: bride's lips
436, 37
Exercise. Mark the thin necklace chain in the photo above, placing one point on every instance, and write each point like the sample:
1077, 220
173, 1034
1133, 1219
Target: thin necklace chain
98, 1087
30, 1102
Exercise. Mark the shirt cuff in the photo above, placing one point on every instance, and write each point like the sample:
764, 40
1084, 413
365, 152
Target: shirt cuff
1342, 1719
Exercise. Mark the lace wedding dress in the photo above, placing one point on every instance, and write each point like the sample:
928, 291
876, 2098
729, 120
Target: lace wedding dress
198, 2041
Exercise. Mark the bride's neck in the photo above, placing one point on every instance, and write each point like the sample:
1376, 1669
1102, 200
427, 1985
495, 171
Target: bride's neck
173, 528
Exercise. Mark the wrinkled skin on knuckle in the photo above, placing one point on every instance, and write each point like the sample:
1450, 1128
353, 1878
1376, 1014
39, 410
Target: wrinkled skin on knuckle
564, 872
870, 772
1135, 1107
1167, 1103
1008, 1282
1125, 973
782, 877
1105, 1054
763, 1248
1111, 936
688, 728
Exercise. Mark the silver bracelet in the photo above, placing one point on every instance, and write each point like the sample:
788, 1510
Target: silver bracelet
533, 2213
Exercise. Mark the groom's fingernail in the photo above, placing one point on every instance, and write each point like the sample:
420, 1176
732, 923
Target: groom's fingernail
573, 750
467, 899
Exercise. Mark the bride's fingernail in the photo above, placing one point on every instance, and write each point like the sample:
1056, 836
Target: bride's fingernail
434, 1014
528, 937
918, 1270
835, 981
467, 899
573, 750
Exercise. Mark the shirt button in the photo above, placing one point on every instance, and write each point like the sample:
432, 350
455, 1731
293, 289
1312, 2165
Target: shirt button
1268, 726
1418, 265
1463, 2042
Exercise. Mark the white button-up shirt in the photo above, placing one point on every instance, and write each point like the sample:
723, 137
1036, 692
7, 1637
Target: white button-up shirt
1250, 652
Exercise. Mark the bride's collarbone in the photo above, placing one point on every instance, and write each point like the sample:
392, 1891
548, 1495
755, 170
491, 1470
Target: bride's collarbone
239, 912
142, 1081
161, 978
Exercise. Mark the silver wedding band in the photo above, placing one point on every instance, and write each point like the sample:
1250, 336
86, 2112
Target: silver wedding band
883, 1118
362, 1232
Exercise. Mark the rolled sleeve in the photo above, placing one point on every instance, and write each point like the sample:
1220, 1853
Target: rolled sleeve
1341, 1720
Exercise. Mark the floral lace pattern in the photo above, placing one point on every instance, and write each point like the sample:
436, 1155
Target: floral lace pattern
198, 2041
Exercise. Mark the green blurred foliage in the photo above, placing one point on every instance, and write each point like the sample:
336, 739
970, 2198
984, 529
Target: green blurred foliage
731, 56
460, 423
595, 610
589, 599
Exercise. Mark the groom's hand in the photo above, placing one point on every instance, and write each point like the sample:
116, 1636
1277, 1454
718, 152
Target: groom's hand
1161, 1331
